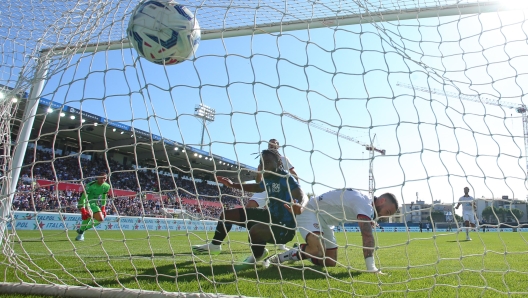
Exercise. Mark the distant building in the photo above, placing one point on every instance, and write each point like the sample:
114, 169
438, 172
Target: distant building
503, 202
419, 211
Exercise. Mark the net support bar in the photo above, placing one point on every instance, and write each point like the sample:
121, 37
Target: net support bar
91, 292
365, 18
28, 118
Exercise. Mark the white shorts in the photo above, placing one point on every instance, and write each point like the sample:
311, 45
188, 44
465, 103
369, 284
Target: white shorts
260, 198
469, 216
307, 222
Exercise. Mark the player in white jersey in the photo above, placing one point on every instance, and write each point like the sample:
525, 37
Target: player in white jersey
326, 211
468, 212
260, 199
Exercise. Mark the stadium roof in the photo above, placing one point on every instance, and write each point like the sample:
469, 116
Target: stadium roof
69, 128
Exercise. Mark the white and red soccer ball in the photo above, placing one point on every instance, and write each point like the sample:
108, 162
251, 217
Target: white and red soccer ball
163, 32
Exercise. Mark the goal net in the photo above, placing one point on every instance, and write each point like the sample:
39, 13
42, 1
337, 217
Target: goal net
417, 98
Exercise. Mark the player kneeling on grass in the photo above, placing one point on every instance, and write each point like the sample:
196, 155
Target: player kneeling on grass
280, 212
92, 205
331, 209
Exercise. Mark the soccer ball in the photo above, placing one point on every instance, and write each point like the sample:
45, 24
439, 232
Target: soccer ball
163, 32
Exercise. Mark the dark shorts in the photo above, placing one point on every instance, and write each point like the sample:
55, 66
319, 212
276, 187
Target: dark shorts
281, 233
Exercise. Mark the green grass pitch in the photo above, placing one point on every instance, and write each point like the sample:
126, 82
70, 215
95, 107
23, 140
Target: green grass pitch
416, 265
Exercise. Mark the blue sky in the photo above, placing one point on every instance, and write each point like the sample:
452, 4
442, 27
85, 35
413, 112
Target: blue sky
342, 77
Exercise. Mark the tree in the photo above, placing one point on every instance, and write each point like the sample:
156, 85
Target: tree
488, 214
492, 214
437, 216
515, 214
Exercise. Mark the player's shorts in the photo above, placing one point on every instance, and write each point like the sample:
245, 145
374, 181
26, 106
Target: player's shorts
469, 216
281, 233
260, 198
307, 222
94, 206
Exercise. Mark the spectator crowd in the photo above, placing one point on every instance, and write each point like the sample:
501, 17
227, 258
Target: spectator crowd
177, 192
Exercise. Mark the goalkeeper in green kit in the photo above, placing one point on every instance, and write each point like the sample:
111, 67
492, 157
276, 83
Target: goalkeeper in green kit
93, 205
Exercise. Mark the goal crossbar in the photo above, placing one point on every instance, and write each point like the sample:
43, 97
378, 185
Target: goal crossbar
315, 23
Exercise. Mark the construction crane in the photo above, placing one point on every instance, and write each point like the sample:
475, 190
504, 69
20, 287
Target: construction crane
519, 108
368, 147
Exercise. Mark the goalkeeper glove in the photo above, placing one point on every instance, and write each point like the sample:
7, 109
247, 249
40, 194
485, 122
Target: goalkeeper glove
85, 214
103, 209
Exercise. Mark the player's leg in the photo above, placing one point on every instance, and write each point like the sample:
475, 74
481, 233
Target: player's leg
99, 216
467, 218
95, 220
225, 223
311, 250
258, 200
308, 227
259, 235
252, 204
329, 242
473, 222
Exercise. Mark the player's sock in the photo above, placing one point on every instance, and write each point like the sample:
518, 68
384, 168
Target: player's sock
258, 249
222, 228
467, 232
88, 224
294, 254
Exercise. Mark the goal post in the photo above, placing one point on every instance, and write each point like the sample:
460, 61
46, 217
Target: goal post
9, 185
151, 147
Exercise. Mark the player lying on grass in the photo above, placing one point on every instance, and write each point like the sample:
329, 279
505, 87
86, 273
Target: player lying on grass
285, 200
316, 226
92, 205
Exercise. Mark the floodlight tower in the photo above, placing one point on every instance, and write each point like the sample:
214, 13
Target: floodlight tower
369, 147
519, 108
206, 114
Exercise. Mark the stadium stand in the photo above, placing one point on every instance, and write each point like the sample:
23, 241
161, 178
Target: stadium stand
54, 184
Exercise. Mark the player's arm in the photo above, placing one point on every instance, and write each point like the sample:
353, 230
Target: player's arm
258, 179
294, 174
297, 196
103, 199
252, 204
297, 203
368, 242
291, 169
82, 201
251, 187
103, 202
458, 205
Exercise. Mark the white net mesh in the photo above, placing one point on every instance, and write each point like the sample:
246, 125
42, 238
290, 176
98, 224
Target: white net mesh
436, 86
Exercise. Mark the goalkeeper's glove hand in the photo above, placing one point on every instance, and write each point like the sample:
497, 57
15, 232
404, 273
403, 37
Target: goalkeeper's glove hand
103, 210
85, 214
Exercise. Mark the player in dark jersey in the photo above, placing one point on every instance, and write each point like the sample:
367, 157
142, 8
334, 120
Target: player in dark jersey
92, 205
285, 200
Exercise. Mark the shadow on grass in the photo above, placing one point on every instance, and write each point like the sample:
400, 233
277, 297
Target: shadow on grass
462, 240
47, 240
190, 271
